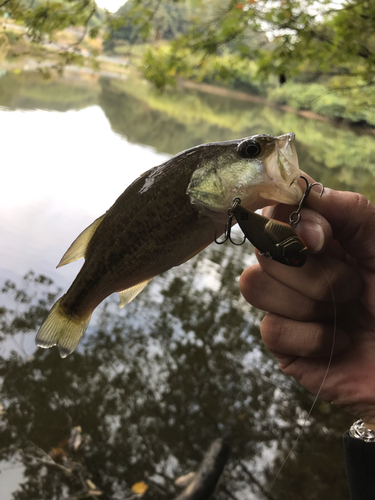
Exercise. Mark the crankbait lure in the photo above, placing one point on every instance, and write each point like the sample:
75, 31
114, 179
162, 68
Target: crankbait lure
273, 238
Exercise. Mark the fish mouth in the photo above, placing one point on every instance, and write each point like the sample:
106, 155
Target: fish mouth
287, 157
286, 139
283, 170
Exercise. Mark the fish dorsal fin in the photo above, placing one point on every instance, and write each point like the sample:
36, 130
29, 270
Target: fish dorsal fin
78, 248
129, 294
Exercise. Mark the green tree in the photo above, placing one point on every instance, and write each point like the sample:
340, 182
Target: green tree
311, 39
165, 19
43, 19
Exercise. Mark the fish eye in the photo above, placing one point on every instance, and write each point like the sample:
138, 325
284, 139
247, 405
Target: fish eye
249, 149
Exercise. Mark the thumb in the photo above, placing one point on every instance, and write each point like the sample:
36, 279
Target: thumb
352, 219
314, 229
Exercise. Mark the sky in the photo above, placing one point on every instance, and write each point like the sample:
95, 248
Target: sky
110, 5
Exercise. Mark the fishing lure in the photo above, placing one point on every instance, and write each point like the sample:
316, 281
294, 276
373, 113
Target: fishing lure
274, 239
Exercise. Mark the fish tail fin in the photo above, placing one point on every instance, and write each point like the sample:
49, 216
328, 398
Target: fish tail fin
62, 330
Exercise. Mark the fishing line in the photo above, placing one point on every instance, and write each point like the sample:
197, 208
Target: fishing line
320, 388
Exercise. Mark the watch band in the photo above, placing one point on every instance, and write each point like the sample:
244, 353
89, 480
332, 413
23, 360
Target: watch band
359, 431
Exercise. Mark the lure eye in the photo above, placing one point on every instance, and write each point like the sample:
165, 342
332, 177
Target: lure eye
249, 149
295, 259
291, 252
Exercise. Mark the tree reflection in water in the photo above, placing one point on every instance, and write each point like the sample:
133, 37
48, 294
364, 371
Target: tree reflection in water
152, 386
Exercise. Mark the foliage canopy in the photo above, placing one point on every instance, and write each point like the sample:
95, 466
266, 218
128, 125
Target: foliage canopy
306, 38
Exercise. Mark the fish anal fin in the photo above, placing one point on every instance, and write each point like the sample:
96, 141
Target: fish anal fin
129, 294
77, 249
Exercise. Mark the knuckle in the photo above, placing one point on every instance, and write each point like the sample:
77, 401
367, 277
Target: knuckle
360, 201
321, 289
317, 341
364, 211
309, 310
272, 329
338, 282
247, 283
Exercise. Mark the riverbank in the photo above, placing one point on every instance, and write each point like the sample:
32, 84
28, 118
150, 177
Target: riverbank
120, 70
310, 100
243, 96
172, 121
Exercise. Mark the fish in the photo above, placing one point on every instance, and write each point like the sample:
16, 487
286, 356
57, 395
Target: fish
163, 219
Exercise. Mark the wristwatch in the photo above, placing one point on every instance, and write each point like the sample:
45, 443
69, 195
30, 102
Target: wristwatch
359, 431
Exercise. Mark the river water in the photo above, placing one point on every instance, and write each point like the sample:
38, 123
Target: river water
154, 384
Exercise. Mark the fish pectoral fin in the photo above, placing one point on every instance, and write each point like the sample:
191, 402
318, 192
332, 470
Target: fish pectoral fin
78, 248
129, 294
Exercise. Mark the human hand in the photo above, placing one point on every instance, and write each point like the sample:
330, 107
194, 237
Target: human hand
339, 228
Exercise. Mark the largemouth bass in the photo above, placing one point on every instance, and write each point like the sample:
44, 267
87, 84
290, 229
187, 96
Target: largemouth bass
164, 218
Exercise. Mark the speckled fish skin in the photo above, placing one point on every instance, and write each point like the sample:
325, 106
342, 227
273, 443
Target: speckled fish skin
165, 217
150, 228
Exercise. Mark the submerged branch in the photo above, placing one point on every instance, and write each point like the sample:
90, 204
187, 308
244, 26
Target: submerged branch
254, 480
49, 462
203, 484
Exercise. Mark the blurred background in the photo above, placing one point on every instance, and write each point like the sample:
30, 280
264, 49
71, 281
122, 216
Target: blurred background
92, 95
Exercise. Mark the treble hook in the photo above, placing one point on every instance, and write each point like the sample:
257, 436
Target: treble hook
228, 227
295, 216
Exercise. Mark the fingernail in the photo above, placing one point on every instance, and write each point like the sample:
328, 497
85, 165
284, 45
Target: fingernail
313, 236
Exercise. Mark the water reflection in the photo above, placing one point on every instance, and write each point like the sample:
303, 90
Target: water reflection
27, 90
154, 384
338, 156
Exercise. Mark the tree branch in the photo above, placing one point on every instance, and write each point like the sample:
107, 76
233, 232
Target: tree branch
87, 20
134, 38
203, 485
254, 480
49, 462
